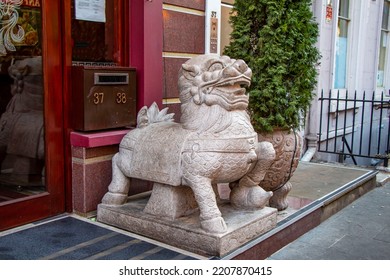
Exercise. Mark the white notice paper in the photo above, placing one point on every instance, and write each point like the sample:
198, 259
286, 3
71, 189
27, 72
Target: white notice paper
91, 10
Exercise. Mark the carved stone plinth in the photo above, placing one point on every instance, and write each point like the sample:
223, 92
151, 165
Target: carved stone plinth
185, 232
171, 202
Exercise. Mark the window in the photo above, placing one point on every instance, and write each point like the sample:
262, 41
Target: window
99, 40
383, 47
342, 45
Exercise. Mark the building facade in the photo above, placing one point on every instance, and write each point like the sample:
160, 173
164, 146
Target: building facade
50, 166
349, 116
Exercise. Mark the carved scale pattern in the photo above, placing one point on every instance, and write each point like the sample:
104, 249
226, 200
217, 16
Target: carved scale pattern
285, 143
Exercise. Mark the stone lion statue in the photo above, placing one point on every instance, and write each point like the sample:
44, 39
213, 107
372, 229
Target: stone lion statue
213, 143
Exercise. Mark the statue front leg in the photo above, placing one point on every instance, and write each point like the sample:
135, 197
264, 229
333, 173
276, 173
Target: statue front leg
247, 193
210, 217
119, 187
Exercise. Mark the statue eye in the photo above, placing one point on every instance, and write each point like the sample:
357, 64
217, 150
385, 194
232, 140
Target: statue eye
215, 67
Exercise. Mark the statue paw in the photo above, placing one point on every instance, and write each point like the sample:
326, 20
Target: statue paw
114, 198
249, 197
215, 225
279, 199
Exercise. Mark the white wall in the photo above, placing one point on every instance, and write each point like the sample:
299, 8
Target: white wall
363, 52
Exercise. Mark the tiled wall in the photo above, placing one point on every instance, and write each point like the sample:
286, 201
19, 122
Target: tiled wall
183, 38
91, 175
92, 169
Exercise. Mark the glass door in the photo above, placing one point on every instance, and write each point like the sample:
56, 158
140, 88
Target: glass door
31, 115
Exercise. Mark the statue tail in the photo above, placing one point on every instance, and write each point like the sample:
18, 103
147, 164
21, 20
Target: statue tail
153, 114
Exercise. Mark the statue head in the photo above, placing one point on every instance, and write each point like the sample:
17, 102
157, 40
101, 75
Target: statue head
215, 80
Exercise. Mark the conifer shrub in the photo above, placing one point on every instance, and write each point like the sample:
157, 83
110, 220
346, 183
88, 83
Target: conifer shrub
276, 38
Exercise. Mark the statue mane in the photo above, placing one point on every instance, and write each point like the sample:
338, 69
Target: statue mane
193, 117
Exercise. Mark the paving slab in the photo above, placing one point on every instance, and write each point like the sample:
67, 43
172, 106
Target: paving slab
319, 191
313, 181
359, 231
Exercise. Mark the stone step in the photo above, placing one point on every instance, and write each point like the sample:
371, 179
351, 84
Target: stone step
319, 191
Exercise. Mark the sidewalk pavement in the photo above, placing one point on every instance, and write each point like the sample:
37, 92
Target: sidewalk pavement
359, 231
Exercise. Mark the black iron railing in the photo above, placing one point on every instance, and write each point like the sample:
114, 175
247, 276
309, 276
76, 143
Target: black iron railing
355, 126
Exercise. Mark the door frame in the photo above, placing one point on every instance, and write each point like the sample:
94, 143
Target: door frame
21, 211
122, 6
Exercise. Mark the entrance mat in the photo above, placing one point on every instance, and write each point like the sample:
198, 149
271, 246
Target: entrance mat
69, 238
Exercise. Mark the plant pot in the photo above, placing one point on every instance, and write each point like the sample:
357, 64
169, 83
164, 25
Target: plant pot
288, 146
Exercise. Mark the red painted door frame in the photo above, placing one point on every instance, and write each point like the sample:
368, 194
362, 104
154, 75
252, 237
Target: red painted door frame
146, 47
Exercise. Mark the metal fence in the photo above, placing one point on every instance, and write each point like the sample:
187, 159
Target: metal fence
355, 126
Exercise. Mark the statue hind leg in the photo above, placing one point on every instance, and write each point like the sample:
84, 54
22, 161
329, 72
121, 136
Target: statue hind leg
247, 193
279, 199
119, 187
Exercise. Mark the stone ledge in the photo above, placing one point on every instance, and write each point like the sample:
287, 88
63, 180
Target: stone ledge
97, 139
185, 232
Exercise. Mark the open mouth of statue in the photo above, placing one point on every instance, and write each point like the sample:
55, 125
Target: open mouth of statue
233, 86
231, 93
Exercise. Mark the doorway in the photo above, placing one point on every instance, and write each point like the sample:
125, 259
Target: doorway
40, 40
32, 176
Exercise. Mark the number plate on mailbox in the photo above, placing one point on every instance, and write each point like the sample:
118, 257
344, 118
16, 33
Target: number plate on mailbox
103, 98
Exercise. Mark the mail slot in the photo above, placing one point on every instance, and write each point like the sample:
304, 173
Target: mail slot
103, 97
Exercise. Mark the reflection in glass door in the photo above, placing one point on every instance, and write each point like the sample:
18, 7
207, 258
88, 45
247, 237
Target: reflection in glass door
22, 151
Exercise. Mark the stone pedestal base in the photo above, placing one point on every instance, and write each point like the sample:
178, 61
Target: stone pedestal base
171, 202
185, 232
